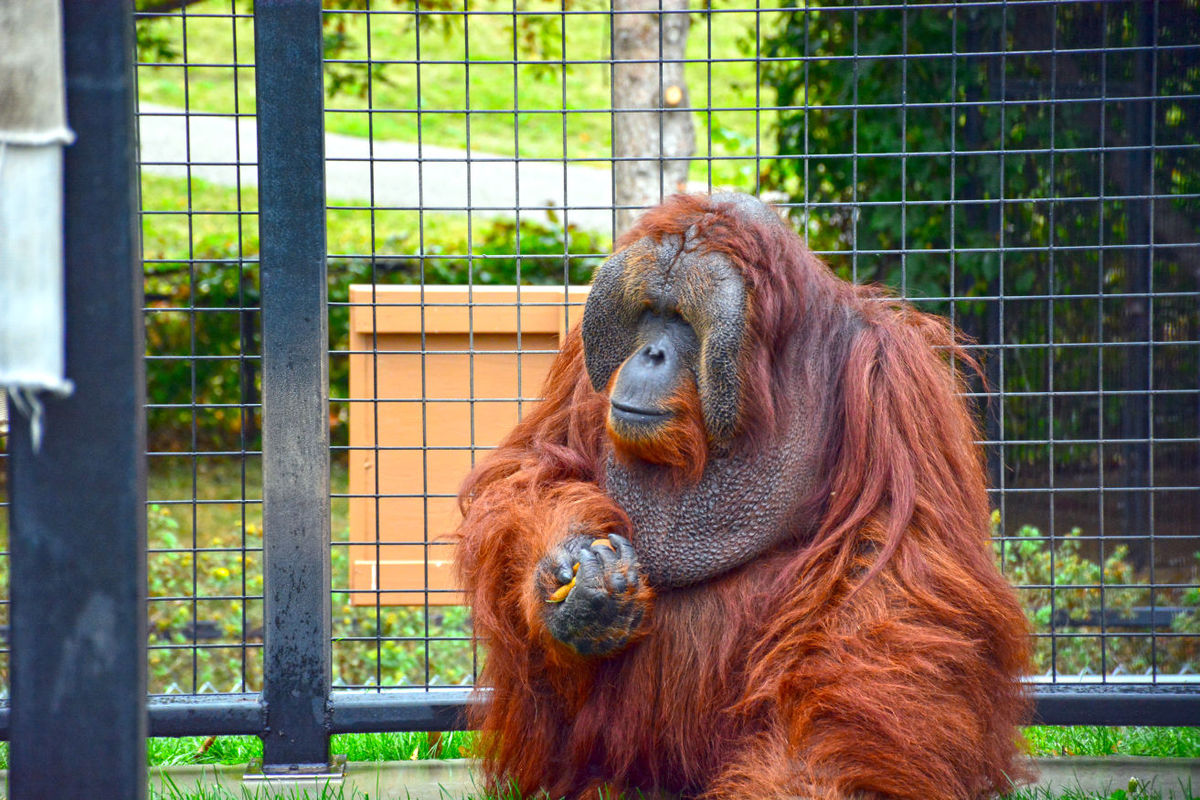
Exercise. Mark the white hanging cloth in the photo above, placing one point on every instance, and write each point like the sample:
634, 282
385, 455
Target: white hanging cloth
33, 132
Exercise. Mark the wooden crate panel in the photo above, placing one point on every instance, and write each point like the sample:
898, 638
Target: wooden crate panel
433, 387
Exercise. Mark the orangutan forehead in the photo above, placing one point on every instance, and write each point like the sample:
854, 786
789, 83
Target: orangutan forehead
678, 274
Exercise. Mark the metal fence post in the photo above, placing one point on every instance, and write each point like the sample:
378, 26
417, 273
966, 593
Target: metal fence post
291, 168
78, 714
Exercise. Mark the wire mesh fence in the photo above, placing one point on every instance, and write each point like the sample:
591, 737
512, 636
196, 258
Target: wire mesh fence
1027, 169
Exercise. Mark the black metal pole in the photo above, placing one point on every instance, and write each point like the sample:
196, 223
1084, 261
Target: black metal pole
78, 510
291, 170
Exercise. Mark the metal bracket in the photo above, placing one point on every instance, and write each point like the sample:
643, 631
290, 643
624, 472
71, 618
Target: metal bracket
333, 772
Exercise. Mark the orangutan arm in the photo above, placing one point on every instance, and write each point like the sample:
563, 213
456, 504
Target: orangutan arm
544, 553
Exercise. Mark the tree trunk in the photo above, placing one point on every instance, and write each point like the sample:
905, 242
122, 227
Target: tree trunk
647, 46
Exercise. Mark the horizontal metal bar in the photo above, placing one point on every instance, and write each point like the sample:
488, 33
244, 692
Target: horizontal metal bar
203, 454
400, 710
1111, 635
444, 709
183, 12
192, 715
379, 639
201, 502
240, 645
961, 298
1116, 704
746, 9
1093, 537
965, 346
195, 357
208, 715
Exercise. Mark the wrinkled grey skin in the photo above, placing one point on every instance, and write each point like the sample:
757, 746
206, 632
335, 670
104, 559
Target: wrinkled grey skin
740, 508
618, 298
743, 504
601, 612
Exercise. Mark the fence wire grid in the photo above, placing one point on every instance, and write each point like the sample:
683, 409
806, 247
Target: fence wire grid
1029, 169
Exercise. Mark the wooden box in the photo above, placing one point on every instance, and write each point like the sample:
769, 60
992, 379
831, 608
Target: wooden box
438, 376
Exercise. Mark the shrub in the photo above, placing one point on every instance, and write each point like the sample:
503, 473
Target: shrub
203, 327
1087, 604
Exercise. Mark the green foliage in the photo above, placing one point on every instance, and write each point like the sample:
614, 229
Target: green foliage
1066, 593
346, 73
208, 307
878, 175
406, 646
871, 134
1189, 623
211, 581
402, 656
188, 587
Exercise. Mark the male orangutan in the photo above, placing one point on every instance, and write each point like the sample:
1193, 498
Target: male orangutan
740, 550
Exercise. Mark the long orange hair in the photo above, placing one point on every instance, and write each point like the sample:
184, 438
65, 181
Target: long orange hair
876, 652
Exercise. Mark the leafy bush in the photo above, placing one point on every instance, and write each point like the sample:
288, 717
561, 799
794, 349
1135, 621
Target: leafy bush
933, 225
206, 619
209, 590
202, 339
203, 330
1073, 610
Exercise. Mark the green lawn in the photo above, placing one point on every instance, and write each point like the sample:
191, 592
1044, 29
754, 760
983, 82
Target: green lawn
1045, 741
356, 747
483, 100
1135, 791
1081, 740
215, 226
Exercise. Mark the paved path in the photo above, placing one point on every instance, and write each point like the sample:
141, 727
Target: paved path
220, 149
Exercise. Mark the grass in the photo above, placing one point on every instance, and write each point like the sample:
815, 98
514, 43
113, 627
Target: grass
1079, 740
483, 100
1134, 791
171, 791
220, 216
356, 747
1045, 740
217, 483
